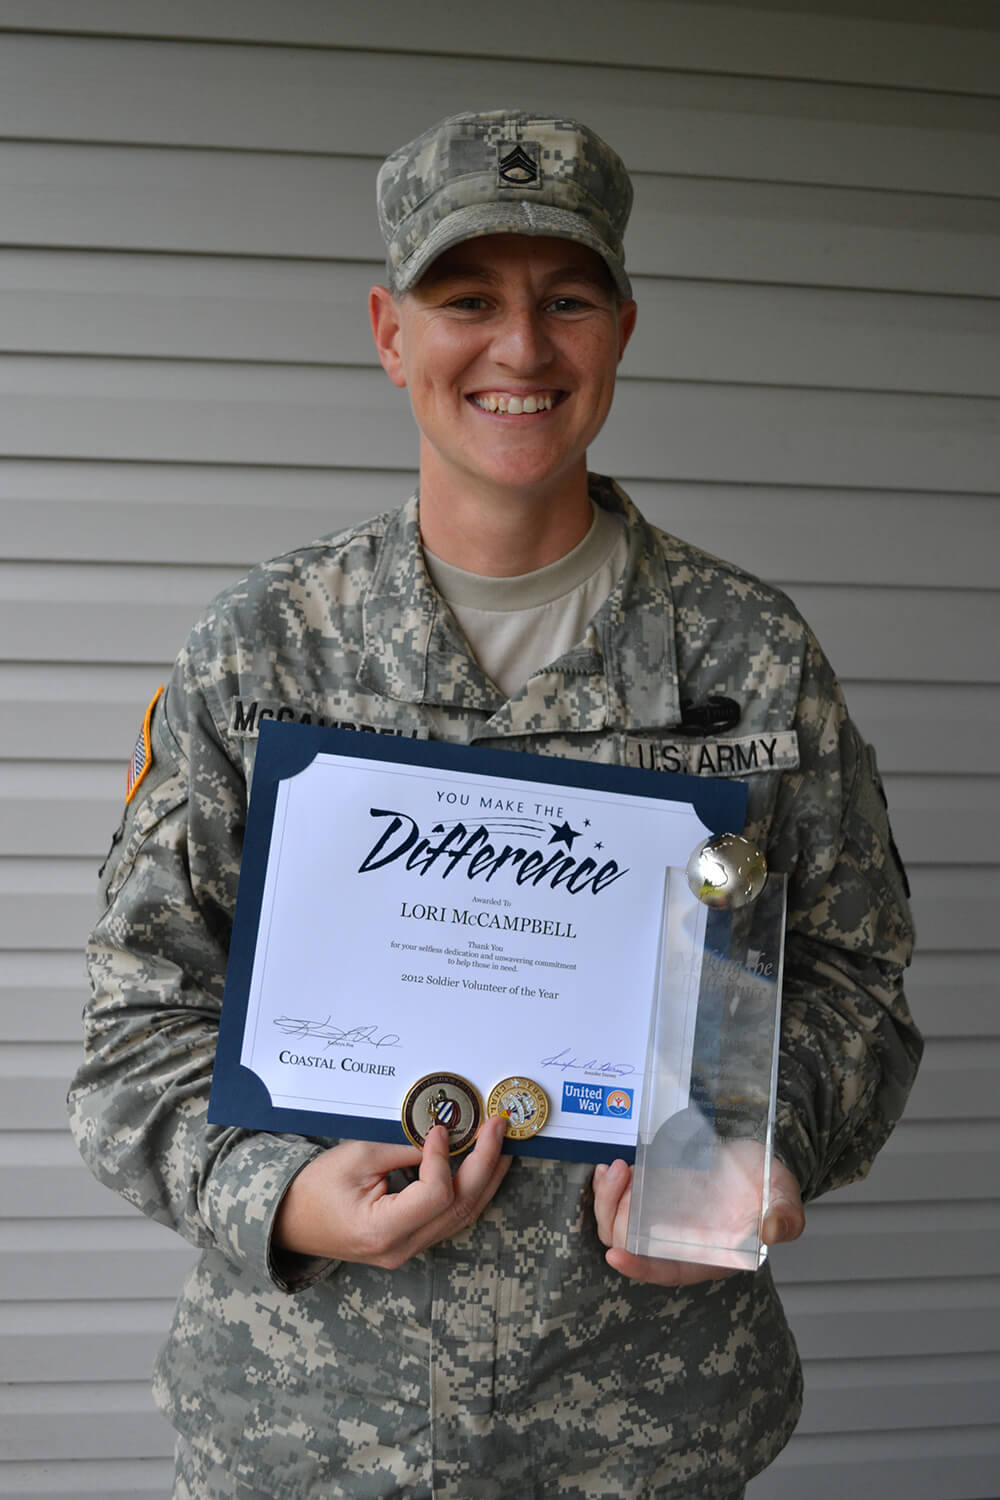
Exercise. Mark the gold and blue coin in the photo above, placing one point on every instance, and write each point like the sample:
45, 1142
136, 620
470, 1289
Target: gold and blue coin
523, 1104
443, 1099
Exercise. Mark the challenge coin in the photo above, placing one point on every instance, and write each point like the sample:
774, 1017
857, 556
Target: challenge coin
522, 1103
443, 1099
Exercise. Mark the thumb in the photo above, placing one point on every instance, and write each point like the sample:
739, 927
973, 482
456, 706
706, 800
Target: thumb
785, 1218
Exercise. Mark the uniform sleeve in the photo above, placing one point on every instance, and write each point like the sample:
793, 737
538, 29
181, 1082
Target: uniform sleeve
157, 961
849, 1046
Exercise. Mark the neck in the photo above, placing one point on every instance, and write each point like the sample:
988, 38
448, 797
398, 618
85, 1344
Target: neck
502, 533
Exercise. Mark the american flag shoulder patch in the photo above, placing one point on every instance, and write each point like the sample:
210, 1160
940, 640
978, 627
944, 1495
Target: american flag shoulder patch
142, 756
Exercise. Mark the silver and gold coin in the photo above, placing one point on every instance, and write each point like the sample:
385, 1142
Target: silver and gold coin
443, 1099
523, 1104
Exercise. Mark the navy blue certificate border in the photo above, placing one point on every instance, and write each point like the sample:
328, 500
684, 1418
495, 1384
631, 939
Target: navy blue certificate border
238, 1096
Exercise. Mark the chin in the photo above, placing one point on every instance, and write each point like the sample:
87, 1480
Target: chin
530, 470
528, 482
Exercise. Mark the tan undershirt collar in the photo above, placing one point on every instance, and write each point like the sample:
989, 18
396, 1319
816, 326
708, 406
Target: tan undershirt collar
528, 590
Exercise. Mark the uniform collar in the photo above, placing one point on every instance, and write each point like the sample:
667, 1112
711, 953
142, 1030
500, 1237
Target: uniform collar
414, 651
622, 676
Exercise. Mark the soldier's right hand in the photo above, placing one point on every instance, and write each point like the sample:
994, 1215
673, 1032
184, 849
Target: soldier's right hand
340, 1206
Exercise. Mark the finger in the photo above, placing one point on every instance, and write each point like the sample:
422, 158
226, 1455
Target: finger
374, 1160
663, 1272
481, 1173
422, 1200
785, 1218
471, 1188
403, 1223
438, 1205
435, 1170
783, 1221
611, 1185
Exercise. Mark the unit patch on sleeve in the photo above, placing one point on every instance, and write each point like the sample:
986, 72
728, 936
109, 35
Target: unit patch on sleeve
142, 755
749, 755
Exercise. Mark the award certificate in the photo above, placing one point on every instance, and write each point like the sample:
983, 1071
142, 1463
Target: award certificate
410, 909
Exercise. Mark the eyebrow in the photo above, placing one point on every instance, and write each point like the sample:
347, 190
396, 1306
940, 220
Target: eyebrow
456, 271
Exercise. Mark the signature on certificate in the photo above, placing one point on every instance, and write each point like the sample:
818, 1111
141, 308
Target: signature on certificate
338, 1036
567, 1059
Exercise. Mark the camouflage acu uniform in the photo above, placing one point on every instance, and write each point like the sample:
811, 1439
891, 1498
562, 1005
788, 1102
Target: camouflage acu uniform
509, 1360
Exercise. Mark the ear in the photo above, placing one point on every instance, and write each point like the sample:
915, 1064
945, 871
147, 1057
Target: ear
384, 316
626, 325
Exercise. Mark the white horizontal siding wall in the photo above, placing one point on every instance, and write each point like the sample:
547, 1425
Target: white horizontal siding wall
186, 385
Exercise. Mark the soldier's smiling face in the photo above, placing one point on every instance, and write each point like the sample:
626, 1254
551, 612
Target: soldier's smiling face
509, 347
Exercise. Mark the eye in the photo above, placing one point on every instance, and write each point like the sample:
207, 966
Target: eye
566, 304
470, 302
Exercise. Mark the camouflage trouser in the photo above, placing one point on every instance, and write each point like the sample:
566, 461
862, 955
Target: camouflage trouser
196, 1479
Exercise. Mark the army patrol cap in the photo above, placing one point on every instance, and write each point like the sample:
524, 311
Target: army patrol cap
504, 172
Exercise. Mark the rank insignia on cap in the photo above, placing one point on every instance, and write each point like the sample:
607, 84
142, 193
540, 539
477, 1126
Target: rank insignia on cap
518, 168
142, 755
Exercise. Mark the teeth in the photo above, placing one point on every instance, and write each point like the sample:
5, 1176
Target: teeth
514, 405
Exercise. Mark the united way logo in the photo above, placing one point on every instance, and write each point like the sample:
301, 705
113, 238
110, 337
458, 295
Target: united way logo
596, 1099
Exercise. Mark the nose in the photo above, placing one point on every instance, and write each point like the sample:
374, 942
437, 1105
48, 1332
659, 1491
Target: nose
521, 343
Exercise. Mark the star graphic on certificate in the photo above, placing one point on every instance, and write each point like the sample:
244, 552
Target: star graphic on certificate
562, 833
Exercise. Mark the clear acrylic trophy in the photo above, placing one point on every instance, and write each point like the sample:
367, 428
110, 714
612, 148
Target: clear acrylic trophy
703, 1154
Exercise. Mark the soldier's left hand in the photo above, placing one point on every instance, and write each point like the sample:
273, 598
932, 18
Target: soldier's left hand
785, 1220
